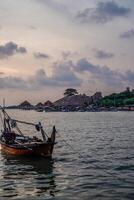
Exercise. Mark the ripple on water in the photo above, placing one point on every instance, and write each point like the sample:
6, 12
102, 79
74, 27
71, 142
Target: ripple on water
100, 165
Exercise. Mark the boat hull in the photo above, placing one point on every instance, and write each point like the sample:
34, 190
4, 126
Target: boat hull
42, 149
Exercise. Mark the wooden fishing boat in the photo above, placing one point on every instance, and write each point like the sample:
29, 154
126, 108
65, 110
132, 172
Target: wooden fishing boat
14, 142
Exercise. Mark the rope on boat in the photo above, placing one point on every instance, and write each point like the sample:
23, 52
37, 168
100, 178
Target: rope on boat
23, 145
19, 130
23, 122
79, 154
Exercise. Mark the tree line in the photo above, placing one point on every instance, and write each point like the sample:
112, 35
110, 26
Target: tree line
125, 98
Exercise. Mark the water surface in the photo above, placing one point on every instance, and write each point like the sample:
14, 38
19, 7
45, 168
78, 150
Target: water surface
93, 159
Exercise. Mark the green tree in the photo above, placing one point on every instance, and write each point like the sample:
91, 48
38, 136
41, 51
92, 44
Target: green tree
70, 92
107, 102
117, 99
129, 101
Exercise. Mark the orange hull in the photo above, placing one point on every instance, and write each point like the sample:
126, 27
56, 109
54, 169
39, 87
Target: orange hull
43, 149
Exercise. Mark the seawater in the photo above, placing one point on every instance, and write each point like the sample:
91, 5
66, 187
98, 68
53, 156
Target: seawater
93, 159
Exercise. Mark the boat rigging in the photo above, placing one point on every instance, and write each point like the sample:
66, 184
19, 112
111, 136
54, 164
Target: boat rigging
13, 141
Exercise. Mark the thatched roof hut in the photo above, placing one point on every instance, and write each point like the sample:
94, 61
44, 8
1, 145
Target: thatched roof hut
25, 105
39, 105
48, 104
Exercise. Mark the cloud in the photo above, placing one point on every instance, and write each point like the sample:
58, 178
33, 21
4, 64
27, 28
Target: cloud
104, 74
127, 34
66, 74
130, 76
103, 54
9, 49
21, 50
62, 79
68, 54
62, 76
2, 73
103, 13
11, 82
39, 55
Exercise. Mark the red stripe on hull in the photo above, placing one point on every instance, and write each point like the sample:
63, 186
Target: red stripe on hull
43, 150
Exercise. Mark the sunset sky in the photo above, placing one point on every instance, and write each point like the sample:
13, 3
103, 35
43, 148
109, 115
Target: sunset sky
47, 46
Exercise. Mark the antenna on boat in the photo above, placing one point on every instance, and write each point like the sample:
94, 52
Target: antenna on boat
3, 103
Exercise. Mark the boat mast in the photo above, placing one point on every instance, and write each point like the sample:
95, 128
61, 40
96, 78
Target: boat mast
3, 110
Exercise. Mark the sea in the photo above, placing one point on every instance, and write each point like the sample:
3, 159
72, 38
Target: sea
92, 160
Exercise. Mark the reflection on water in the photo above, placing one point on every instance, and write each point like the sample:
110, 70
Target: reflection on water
101, 166
26, 176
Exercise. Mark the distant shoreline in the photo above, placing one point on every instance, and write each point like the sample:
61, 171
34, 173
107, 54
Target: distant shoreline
97, 110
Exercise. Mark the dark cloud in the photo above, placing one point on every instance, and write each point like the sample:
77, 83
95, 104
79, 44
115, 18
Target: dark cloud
66, 74
103, 13
127, 34
39, 55
63, 73
83, 65
58, 79
62, 76
104, 74
9, 49
102, 54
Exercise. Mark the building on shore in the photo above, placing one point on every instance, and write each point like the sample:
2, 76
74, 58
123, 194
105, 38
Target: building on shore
25, 105
75, 102
68, 103
97, 96
39, 105
48, 104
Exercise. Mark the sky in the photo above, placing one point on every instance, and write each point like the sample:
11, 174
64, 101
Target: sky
47, 46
